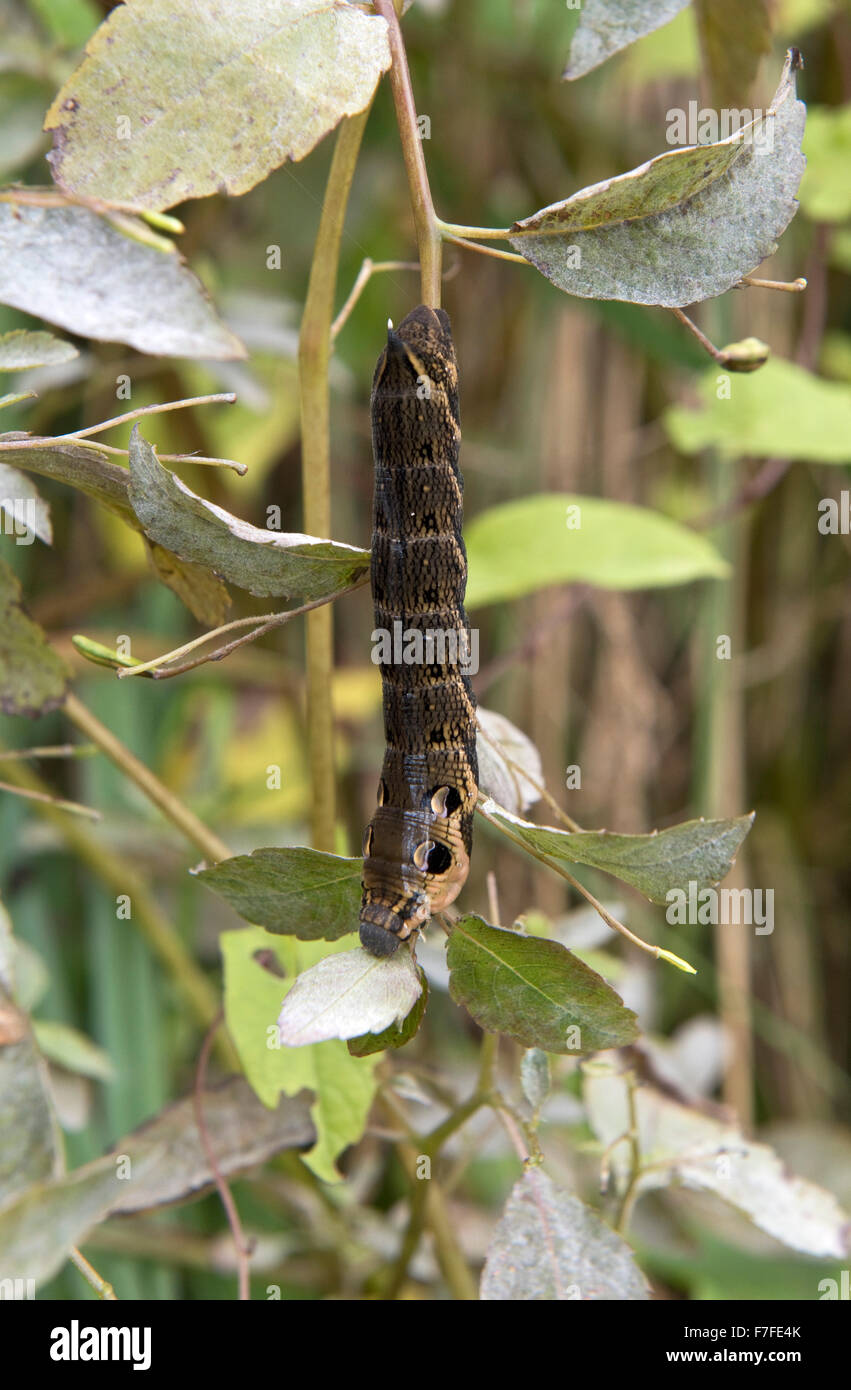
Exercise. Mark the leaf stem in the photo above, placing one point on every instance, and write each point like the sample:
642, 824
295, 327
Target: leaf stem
102, 1288
485, 250
364, 275
171, 806
242, 1246
72, 807
262, 622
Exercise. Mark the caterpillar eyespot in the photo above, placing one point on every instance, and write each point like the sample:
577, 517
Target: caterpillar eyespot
419, 573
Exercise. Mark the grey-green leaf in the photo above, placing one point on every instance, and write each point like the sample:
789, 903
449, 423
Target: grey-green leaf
518, 547
549, 1246
683, 227
295, 892
264, 562
87, 468
347, 994
41, 1224
74, 268
535, 1076
534, 990
177, 100
694, 1150
607, 26
397, 1034
697, 851
243, 1132
33, 678
25, 347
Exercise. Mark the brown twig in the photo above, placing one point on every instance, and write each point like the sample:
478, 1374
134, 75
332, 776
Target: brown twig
243, 1247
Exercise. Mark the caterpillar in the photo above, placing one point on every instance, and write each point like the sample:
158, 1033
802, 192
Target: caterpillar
417, 846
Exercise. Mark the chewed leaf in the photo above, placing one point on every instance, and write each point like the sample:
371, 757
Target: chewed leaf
348, 994
683, 227
607, 26
697, 851
75, 269
209, 98
263, 562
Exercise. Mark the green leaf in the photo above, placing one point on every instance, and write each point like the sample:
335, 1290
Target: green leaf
733, 39
683, 227
26, 511
549, 1246
24, 347
519, 547
76, 269
396, 1035
535, 991
348, 994
33, 678
607, 26
697, 851
71, 1049
175, 100
297, 892
782, 410
702, 1152
343, 1086
826, 189
264, 562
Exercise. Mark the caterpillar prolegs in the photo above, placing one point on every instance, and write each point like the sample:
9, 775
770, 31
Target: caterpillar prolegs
417, 845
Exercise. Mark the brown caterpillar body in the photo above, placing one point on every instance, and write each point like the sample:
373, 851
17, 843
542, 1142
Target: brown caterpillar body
417, 845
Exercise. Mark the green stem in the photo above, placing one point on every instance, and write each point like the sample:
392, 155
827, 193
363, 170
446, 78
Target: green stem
103, 1289
314, 353
171, 806
425, 220
191, 983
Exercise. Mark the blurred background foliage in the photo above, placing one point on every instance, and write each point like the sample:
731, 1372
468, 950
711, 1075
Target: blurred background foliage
557, 395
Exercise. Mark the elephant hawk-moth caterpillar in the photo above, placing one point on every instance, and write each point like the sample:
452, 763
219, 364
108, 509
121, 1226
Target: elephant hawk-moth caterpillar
417, 845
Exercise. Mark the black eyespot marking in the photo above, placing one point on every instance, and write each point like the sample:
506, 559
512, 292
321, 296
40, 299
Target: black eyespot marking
439, 860
444, 800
